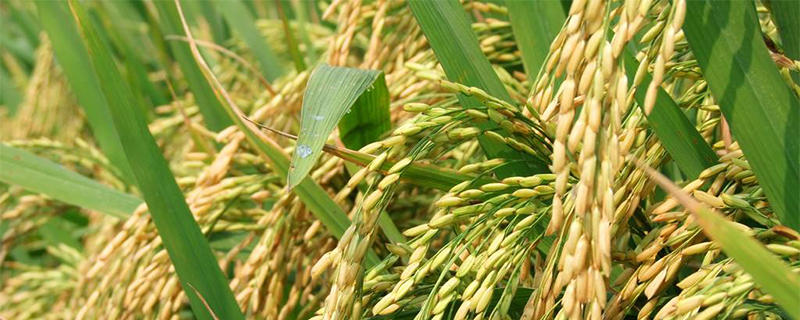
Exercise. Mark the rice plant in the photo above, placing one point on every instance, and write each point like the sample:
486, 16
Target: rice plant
406, 159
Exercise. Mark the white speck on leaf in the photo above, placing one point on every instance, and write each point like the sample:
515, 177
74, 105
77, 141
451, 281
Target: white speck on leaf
304, 151
318, 118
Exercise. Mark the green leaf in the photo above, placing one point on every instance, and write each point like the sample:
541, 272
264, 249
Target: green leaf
785, 14
17, 47
125, 40
535, 24
10, 95
75, 61
313, 196
446, 26
763, 114
301, 15
195, 264
25, 21
369, 118
219, 31
772, 274
330, 94
58, 230
679, 137
213, 114
36, 174
241, 20
291, 41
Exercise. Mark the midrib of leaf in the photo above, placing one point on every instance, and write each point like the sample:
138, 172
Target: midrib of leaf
195, 264
763, 114
448, 31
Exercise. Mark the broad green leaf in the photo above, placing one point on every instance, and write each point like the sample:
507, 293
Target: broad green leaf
686, 146
535, 24
369, 118
213, 114
446, 26
763, 114
75, 61
330, 94
313, 196
772, 274
36, 174
195, 264
785, 14
240, 18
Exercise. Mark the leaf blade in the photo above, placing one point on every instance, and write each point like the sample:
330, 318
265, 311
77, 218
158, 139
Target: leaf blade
241, 20
74, 60
188, 249
369, 118
447, 29
330, 93
785, 13
682, 141
533, 35
213, 114
763, 114
37, 174
9, 94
